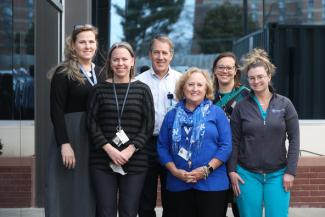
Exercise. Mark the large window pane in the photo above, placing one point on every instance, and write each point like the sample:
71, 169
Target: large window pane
16, 60
202, 29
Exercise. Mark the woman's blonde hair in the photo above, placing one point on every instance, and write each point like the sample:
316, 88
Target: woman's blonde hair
179, 90
126, 46
70, 65
255, 58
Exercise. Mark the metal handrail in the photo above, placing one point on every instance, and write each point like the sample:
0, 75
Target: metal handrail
309, 152
1, 147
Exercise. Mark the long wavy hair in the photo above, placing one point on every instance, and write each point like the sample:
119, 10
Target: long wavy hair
70, 65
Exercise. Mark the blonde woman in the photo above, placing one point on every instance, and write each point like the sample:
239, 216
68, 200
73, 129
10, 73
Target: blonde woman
261, 169
68, 191
194, 144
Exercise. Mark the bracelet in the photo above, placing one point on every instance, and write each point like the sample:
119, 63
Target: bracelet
205, 172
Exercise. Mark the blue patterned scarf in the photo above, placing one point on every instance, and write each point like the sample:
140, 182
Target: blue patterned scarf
195, 120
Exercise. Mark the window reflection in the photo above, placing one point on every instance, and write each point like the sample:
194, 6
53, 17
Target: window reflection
16, 60
200, 29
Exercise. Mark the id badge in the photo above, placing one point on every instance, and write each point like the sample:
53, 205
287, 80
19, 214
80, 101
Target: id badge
122, 136
183, 153
117, 141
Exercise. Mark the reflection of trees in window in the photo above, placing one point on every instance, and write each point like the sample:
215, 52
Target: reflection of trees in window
6, 25
6, 94
143, 19
29, 40
221, 26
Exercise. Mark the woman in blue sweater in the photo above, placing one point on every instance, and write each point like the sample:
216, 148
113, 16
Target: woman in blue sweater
194, 144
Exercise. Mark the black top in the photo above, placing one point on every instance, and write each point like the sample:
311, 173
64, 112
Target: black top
68, 96
137, 121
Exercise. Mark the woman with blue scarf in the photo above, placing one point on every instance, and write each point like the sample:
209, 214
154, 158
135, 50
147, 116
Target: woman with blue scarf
194, 144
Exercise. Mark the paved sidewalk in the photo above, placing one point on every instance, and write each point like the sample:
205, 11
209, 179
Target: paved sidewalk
39, 212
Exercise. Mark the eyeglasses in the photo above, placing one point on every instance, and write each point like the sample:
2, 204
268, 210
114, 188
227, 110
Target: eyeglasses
223, 68
251, 79
85, 26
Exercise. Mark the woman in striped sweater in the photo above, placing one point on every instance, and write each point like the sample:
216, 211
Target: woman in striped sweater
120, 121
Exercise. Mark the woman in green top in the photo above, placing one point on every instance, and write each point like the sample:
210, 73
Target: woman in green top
229, 91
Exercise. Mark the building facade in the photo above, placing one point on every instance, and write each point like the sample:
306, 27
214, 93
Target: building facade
32, 34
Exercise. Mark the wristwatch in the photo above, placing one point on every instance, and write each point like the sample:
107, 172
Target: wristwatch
210, 168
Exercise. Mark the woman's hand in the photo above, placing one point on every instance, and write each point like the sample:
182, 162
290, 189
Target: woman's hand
116, 156
235, 179
128, 152
288, 181
183, 175
198, 173
68, 158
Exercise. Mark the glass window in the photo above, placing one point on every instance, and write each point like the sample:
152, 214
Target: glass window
202, 29
193, 34
16, 60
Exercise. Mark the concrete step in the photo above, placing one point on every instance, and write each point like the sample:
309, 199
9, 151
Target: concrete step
39, 212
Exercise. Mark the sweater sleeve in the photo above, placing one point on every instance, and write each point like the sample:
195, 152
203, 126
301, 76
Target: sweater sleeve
95, 133
164, 141
148, 120
292, 128
236, 129
58, 100
224, 141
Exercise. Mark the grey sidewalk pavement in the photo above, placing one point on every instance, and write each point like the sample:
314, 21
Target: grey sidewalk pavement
39, 212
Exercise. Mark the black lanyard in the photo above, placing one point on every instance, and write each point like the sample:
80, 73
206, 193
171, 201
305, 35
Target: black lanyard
119, 114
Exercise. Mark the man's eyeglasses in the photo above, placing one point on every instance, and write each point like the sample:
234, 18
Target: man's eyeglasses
223, 68
85, 26
251, 79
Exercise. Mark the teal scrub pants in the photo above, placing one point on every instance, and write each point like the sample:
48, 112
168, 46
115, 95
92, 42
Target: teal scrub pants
262, 189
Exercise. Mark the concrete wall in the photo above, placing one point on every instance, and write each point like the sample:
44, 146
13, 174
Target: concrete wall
312, 136
18, 137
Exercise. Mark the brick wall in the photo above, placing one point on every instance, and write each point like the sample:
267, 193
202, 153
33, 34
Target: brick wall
16, 182
309, 185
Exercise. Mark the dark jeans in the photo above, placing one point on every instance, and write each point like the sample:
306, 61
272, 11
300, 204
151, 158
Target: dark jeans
196, 203
149, 192
116, 193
